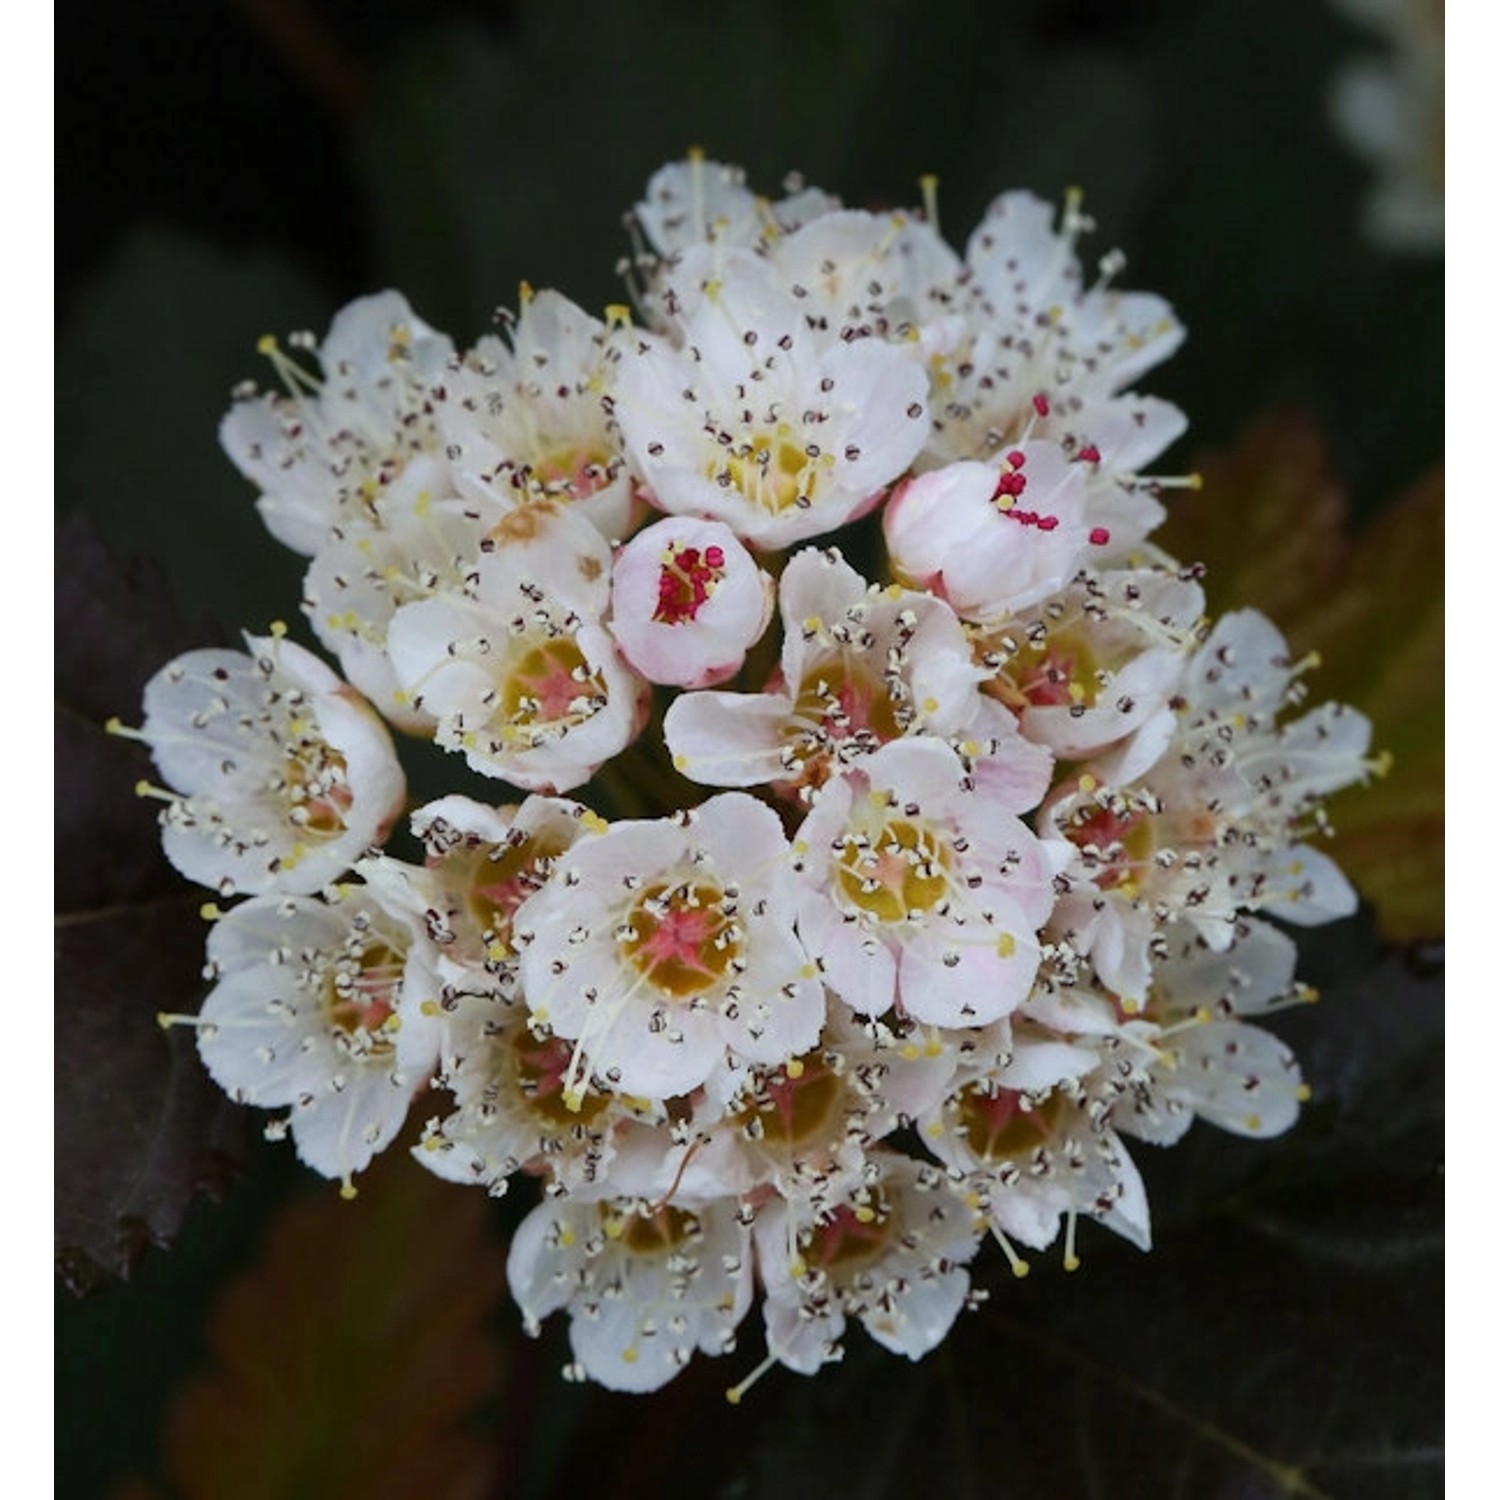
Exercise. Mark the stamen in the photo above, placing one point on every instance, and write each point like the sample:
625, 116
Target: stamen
929, 184
736, 1393
1019, 1268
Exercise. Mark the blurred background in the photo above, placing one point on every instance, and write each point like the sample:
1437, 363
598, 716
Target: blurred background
232, 167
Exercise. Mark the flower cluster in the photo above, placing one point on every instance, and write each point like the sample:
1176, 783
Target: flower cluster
931, 890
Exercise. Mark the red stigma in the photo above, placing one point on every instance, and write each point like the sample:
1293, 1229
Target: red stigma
1099, 536
1041, 404
687, 578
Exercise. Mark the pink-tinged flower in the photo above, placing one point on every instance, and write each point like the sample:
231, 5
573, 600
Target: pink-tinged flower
325, 452
699, 202
921, 888
860, 666
757, 422
363, 574
665, 952
688, 602
994, 540
645, 1288
482, 864
892, 1254
1032, 1153
312, 1009
803, 1127
1194, 1055
527, 417
1215, 826
281, 774
511, 1108
1091, 671
517, 669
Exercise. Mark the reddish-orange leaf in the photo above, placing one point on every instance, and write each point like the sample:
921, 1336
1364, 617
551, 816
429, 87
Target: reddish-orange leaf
358, 1357
1272, 525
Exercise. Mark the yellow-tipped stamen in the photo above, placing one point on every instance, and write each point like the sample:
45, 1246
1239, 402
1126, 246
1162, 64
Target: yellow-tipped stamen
1070, 1248
1019, 1268
167, 1019
736, 1393
114, 725
929, 185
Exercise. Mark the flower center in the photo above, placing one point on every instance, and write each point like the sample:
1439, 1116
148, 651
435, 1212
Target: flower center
316, 784
850, 1238
501, 877
896, 873
1059, 672
845, 702
574, 471
1009, 488
683, 938
1000, 1124
360, 992
550, 685
1115, 843
688, 577
772, 471
541, 1072
795, 1104
658, 1233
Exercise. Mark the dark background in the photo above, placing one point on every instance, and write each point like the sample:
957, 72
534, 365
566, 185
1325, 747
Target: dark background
230, 167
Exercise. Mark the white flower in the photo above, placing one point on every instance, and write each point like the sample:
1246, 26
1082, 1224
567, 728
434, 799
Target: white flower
643, 1289
688, 602
1034, 1147
803, 1127
1041, 356
325, 452
361, 576
1094, 667
698, 202
283, 773
754, 421
863, 275
665, 951
1216, 825
518, 669
482, 864
310, 1010
513, 1111
1198, 1057
921, 887
892, 1254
